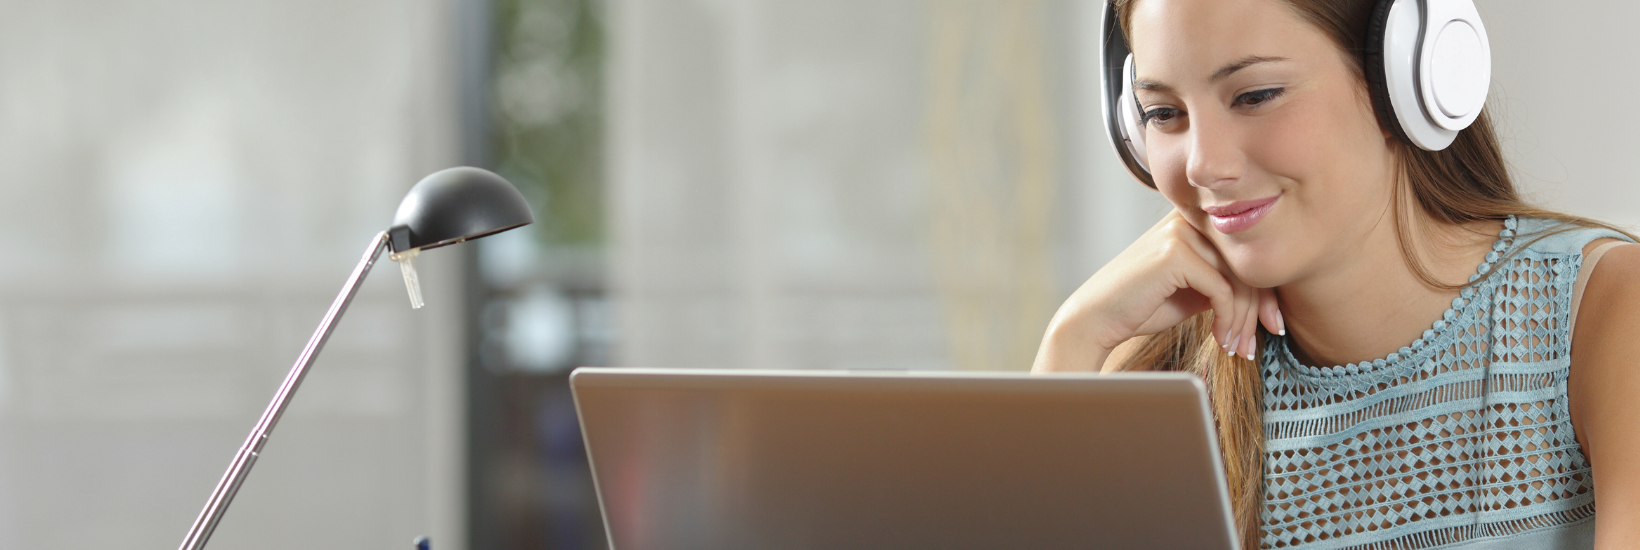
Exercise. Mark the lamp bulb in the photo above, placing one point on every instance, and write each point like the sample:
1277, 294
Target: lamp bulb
407, 267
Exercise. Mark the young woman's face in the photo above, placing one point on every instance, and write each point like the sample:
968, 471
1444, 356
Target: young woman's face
1260, 133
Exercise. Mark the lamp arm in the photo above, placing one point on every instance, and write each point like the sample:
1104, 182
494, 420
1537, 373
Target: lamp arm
246, 457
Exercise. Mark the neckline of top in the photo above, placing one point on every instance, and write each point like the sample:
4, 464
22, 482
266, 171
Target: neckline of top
1418, 347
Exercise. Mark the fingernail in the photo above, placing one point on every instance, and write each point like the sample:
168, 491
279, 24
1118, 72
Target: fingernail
1281, 322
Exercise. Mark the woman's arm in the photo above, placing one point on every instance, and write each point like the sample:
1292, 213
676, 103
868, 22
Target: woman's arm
1121, 354
1604, 392
1169, 274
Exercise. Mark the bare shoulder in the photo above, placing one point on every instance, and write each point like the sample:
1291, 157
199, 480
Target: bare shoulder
1602, 385
1613, 288
1604, 344
1597, 243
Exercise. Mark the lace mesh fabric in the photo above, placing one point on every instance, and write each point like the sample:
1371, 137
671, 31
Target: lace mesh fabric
1462, 435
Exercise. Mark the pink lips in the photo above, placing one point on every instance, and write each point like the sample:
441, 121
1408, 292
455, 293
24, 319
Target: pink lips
1240, 215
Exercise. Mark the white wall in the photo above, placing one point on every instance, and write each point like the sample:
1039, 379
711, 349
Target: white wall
765, 184
1563, 82
187, 184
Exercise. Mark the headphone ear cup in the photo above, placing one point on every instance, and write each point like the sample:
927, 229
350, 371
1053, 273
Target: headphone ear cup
1455, 63
1121, 111
1394, 54
1132, 132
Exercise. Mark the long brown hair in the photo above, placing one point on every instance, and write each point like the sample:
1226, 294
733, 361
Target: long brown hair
1465, 183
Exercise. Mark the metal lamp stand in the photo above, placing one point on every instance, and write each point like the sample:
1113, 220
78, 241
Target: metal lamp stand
246, 457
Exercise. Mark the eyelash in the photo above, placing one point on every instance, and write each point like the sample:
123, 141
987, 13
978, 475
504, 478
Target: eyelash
1251, 99
1260, 95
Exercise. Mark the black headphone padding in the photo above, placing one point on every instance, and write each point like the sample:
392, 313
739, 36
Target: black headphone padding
1373, 66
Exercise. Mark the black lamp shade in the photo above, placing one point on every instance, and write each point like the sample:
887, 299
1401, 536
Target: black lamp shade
457, 204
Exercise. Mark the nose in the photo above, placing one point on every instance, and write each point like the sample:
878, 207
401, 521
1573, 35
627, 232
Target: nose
1216, 156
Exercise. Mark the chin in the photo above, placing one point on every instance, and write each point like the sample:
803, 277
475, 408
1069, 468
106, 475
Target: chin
1261, 280
1258, 268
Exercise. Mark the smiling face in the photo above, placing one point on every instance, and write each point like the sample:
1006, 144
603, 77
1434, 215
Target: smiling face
1261, 133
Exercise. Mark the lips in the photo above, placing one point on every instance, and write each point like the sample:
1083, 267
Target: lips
1239, 216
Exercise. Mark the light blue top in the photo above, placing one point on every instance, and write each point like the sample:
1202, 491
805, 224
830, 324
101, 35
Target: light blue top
1462, 439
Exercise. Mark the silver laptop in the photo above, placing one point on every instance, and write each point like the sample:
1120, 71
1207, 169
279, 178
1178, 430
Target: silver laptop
735, 459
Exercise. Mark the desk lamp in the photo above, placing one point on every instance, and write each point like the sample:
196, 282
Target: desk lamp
448, 207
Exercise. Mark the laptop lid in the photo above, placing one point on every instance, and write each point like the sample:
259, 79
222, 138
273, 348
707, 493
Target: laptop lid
735, 459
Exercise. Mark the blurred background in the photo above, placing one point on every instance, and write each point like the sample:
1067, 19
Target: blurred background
848, 184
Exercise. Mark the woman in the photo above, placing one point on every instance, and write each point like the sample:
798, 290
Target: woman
1308, 232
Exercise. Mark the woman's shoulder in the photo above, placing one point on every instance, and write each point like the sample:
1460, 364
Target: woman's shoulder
1603, 381
1544, 235
1612, 286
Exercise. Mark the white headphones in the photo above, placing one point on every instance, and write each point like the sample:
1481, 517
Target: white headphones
1428, 64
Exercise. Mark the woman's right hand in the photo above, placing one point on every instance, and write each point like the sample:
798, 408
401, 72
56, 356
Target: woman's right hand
1167, 276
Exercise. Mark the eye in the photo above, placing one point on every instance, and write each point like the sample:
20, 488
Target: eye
1159, 115
1257, 97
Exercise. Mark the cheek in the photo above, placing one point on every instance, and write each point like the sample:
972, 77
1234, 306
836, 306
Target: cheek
1290, 143
1167, 157
1299, 141
1330, 145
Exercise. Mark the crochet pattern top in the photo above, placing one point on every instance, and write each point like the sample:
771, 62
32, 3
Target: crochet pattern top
1462, 439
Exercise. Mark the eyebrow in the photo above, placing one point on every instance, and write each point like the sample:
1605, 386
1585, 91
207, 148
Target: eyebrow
1221, 74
